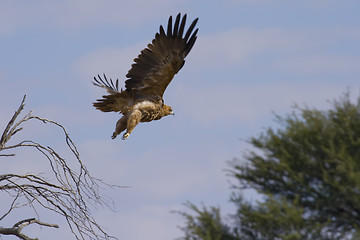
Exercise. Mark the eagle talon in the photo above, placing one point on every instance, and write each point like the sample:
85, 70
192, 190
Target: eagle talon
125, 136
113, 136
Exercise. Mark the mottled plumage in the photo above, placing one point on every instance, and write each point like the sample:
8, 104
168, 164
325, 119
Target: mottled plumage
153, 70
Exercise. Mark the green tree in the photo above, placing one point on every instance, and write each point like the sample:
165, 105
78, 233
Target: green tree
307, 173
207, 225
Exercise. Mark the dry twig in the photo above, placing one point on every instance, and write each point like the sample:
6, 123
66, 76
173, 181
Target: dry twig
69, 193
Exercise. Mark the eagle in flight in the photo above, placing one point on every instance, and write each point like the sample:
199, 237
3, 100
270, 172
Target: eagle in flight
153, 70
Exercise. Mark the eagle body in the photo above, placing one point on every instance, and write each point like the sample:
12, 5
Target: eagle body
148, 78
149, 110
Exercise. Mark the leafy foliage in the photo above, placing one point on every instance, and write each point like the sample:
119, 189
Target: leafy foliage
207, 225
308, 172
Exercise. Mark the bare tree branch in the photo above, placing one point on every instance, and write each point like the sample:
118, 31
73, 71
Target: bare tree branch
68, 192
16, 229
12, 206
7, 134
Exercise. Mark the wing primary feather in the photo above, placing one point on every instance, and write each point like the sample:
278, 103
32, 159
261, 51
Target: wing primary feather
176, 25
112, 84
161, 30
169, 28
191, 41
108, 85
182, 26
187, 35
156, 65
102, 81
99, 83
153, 69
105, 82
96, 83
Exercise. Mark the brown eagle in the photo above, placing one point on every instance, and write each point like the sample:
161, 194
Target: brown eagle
153, 70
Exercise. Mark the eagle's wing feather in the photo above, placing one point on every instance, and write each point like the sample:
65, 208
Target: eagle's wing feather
109, 86
157, 64
153, 69
117, 101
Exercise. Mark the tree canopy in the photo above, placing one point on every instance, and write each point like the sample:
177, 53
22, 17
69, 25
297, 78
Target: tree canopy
308, 173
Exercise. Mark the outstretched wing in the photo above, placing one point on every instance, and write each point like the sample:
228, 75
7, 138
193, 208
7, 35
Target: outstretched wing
117, 100
157, 64
153, 69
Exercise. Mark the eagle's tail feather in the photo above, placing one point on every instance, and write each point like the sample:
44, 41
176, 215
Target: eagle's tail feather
113, 103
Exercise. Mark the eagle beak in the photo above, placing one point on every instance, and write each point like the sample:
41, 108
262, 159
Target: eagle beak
172, 113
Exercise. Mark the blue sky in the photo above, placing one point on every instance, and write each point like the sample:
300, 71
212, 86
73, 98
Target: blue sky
251, 58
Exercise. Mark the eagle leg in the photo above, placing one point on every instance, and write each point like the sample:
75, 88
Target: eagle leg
132, 121
120, 126
125, 136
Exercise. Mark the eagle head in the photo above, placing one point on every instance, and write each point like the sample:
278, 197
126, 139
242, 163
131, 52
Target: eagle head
166, 110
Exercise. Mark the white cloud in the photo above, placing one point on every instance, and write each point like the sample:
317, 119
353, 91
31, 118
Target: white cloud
319, 4
162, 175
115, 62
252, 2
190, 164
159, 182
239, 46
152, 221
244, 47
216, 51
80, 13
230, 102
220, 49
234, 104
315, 64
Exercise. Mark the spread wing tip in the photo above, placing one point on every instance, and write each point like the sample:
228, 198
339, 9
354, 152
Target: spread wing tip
109, 85
179, 26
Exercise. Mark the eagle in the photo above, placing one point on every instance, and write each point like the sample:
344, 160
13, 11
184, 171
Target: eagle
150, 74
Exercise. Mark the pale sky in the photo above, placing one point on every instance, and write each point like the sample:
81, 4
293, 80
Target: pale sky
252, 58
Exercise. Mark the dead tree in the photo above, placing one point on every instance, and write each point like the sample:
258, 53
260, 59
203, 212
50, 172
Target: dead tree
70, 192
